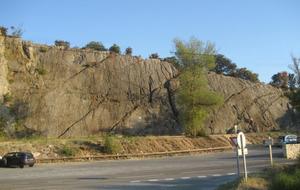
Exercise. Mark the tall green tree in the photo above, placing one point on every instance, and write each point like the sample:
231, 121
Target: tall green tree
194, 97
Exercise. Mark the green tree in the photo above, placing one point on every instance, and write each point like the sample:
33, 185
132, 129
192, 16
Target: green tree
246, 74
280, 80
224, 65
115, 48
194, 97
95, 46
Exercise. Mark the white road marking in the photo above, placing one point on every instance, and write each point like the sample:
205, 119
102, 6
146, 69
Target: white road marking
216, 175
152, 180
185, 178
231, 173
136, 181
169, 179
201, 176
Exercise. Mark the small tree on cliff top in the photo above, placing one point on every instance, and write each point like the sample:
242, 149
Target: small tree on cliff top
115, 48
194, 97
95, 46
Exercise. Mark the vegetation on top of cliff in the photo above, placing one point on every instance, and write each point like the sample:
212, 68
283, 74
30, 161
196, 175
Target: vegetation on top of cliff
128, 51
194, 97
115, 48
154, 56
14, 31
62, 43
95, 46
290, 82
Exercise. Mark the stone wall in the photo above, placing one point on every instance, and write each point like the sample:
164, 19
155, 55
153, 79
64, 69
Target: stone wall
291, 151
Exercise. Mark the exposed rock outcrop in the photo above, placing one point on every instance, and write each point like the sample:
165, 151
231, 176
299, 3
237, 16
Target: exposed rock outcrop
74, 92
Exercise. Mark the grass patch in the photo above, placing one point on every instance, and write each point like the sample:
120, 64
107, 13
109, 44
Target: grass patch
68, 151
112, 145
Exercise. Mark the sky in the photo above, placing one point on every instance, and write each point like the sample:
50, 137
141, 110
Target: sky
260, 35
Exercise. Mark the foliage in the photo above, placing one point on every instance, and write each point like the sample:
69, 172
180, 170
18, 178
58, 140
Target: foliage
294, 97
295, 67
3, 30
288, 180
115, 48
95, 46
173, 60
194, 97
128, 51
68, 151
195, 52
7, 98
111, 145
224, 65
246, 74
154, 56
62, 43
280, 80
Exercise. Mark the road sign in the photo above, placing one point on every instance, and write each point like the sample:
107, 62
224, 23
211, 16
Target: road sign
233, 141
241, 140
268, 142
241, 153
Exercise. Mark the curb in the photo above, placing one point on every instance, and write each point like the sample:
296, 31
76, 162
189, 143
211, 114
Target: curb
128, 156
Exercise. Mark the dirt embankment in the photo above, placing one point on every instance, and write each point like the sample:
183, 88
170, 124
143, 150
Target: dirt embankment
95, 146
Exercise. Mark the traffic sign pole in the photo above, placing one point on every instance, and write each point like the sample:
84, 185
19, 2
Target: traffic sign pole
270, 150
244, 157
237, 161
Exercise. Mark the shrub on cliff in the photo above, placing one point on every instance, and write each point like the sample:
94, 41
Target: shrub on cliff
154, 56
3, 30
95, 46
194, 97
62, 43
128, 51
115, 48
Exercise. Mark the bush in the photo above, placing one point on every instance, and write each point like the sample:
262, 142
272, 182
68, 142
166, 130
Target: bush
3, 30
62, 43
287, 181
154, 56
111, 145
67, 151
128, 51
95, 46
115, 48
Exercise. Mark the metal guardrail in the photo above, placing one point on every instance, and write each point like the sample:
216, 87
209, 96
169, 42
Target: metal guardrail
128, 156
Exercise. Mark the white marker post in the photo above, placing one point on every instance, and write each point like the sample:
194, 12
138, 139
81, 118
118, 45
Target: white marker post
241, 140
269, 142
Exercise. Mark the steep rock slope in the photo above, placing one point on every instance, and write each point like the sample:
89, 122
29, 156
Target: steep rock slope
253, 107
61, 92
73, 92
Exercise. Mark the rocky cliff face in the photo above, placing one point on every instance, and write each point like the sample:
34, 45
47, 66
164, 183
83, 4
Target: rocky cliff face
71, 92
253, 107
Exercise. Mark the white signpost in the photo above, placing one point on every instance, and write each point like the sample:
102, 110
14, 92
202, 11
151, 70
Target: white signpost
241, 142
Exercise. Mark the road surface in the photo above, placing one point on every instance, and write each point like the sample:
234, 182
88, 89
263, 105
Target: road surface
202, 171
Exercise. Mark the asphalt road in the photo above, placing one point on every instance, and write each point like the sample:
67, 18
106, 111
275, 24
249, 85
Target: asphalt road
202, 171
